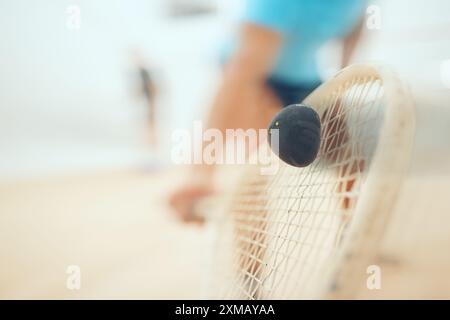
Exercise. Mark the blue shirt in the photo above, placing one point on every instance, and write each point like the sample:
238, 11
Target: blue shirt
305, 26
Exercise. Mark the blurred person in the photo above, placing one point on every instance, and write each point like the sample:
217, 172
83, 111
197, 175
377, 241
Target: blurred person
269, 64
148, 90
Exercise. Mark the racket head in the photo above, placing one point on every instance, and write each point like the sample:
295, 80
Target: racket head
311, 232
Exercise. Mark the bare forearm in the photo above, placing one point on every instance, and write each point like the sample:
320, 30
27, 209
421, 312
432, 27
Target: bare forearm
235, 105
243, 101
350, 43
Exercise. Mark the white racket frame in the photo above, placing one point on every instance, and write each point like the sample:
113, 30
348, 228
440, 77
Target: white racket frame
377, 197
358, 250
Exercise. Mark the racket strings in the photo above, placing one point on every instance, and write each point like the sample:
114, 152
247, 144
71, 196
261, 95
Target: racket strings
285, 227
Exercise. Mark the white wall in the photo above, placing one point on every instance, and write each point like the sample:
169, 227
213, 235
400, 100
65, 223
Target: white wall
65, 98
65, 102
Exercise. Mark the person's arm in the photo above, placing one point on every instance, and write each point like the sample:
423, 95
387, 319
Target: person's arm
153, 91
242, 101
237, 102
350, 42
244, 79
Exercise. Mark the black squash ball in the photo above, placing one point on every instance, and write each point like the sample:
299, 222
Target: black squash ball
299, 134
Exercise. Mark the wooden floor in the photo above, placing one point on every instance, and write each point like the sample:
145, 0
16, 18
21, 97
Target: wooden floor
114, 225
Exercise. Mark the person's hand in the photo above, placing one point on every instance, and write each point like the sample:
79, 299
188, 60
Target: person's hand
184, 201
